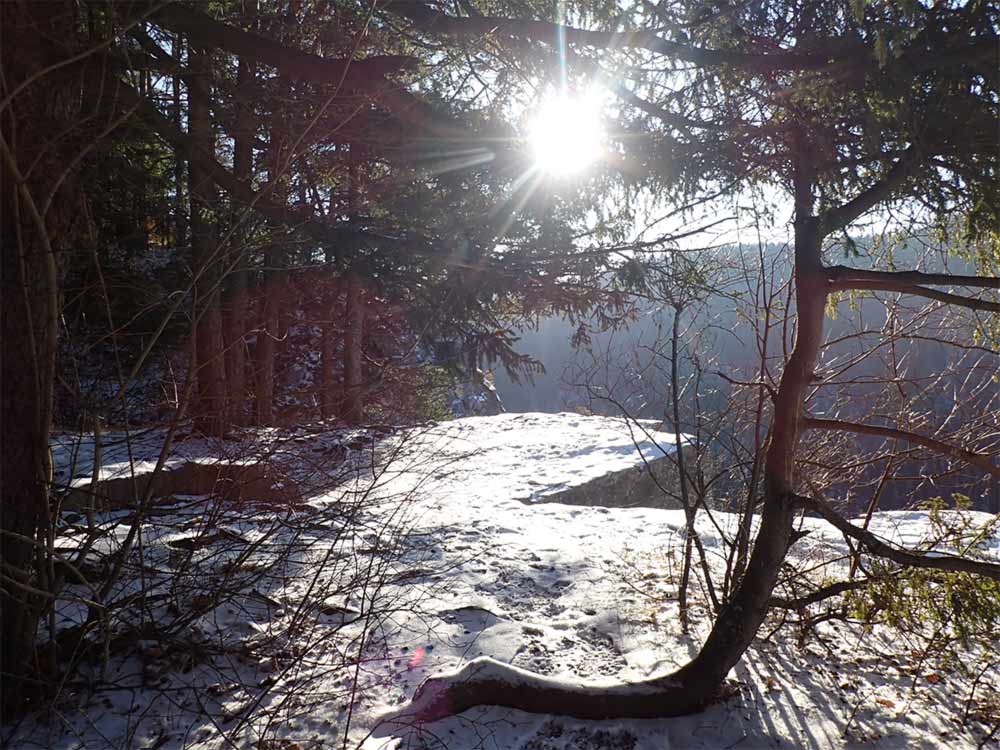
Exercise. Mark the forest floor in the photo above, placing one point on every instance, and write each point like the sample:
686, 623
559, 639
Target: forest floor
293, 624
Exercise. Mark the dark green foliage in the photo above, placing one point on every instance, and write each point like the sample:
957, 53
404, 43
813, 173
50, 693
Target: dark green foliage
935, 602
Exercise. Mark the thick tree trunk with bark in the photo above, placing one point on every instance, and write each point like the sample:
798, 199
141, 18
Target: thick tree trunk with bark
36, 136
210, 412
24, 438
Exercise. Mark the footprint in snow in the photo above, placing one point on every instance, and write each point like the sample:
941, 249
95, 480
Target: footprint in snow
535, 656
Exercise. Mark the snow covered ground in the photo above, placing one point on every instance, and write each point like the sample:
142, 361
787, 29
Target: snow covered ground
277, 627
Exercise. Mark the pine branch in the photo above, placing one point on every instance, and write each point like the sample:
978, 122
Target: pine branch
843, 215
367, 75
201, 28
436, 22
842, 55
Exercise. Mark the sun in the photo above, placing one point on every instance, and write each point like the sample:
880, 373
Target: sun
566, 134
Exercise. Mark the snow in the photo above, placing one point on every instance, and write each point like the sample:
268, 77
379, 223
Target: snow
310, 645
530, 456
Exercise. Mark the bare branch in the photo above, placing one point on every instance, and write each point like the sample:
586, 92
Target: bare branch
975, 459
880, 548
845, 277
911, 282
820, 594
948, 298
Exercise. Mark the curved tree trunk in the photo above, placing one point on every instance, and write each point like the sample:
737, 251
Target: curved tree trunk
743, 614
698, 683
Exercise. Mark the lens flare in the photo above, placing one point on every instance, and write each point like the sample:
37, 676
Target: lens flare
417, 657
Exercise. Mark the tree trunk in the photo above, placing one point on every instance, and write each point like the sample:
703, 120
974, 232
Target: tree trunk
698, 683
36, 132
24, 437
743, 614
211, 403
352, 402
271, 286
353, 408
177, 110
235, 311
268, 323
266, 330
689, 511
327, 343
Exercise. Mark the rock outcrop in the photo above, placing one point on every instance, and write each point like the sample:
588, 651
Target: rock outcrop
653, 484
